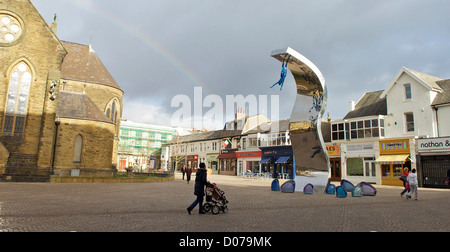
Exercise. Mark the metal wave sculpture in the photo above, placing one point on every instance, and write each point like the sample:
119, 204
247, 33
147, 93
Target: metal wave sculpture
311, 161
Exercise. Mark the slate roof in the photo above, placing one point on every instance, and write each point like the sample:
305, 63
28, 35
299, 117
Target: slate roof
428, 79
369, 105
222, 134
444, 97
78, 106
82, 64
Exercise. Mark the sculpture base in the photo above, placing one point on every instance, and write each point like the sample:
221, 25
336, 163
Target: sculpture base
318, 179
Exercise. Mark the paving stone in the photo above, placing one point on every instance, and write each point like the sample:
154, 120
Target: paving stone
253, 207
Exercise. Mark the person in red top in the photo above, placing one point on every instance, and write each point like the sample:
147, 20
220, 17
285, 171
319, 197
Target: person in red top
404, 178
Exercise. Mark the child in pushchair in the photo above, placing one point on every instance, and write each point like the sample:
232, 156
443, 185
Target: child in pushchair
215, 200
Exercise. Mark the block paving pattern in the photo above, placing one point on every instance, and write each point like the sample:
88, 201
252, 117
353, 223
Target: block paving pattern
253, 207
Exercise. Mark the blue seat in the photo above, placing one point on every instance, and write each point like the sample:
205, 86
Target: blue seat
367, 189
309, 189
357, 191
331, 189
288, 187
275, 185
341, 192
347, 185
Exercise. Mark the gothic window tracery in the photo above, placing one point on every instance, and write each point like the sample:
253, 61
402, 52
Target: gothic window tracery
17, 99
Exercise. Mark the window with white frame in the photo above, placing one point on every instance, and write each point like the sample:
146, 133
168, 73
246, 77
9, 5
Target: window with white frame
408, 93
409, 118
370, 128
253, 142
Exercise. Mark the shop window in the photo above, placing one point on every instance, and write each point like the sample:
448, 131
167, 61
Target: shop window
409, 118
355, 167
369, 167
17, 99
386, 171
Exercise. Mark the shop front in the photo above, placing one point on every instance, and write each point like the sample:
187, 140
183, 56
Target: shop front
227, 163
358, 162
212, 162
334, 152
434, 161
192, 162
248, 162
278, 159
394, 157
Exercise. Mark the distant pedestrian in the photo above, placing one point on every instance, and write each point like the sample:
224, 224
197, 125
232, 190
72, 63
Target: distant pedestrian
200, 183
404, 178
447, 181
188, 174
412, 180
183, 170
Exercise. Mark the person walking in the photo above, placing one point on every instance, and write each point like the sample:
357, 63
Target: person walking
200, 183
188, 174
183, 170
412, 180
404, 178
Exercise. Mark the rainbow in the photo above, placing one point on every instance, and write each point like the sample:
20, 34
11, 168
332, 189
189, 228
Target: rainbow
90, 6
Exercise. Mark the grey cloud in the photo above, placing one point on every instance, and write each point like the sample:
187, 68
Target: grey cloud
358, 45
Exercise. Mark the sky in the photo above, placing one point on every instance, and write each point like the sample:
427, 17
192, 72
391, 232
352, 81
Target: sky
158, 50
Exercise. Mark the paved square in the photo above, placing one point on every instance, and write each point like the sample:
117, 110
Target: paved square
253, 207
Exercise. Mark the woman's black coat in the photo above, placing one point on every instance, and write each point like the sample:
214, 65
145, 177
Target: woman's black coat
200, 183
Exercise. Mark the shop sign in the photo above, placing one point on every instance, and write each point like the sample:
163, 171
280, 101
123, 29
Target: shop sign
359, 147
434, 144
248, 154
334, 150
390, 147
279, 152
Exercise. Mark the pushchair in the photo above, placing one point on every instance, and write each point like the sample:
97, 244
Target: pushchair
215, 200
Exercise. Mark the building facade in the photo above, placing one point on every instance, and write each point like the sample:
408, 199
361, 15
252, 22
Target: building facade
59, 105
382, 133
141, 145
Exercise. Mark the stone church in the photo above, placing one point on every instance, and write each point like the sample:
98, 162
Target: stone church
60, 108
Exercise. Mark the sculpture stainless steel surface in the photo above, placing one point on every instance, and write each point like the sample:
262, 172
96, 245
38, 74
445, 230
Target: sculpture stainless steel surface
312, 165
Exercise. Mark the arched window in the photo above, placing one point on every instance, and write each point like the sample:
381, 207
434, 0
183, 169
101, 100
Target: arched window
78, 150
17, 99
112, 110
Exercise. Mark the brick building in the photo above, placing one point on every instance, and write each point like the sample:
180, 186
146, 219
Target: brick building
60, 108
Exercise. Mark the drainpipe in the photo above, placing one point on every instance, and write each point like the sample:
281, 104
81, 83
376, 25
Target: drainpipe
437, 120
57, 123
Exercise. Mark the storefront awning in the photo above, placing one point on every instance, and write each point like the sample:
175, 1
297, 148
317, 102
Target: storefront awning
265, 160
283, 160
227, 156
392, 159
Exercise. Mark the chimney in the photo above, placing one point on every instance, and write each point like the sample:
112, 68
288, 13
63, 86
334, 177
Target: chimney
352, 105
240, 113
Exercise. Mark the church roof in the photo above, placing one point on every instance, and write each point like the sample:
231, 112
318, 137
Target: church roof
82, 64
78, 106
